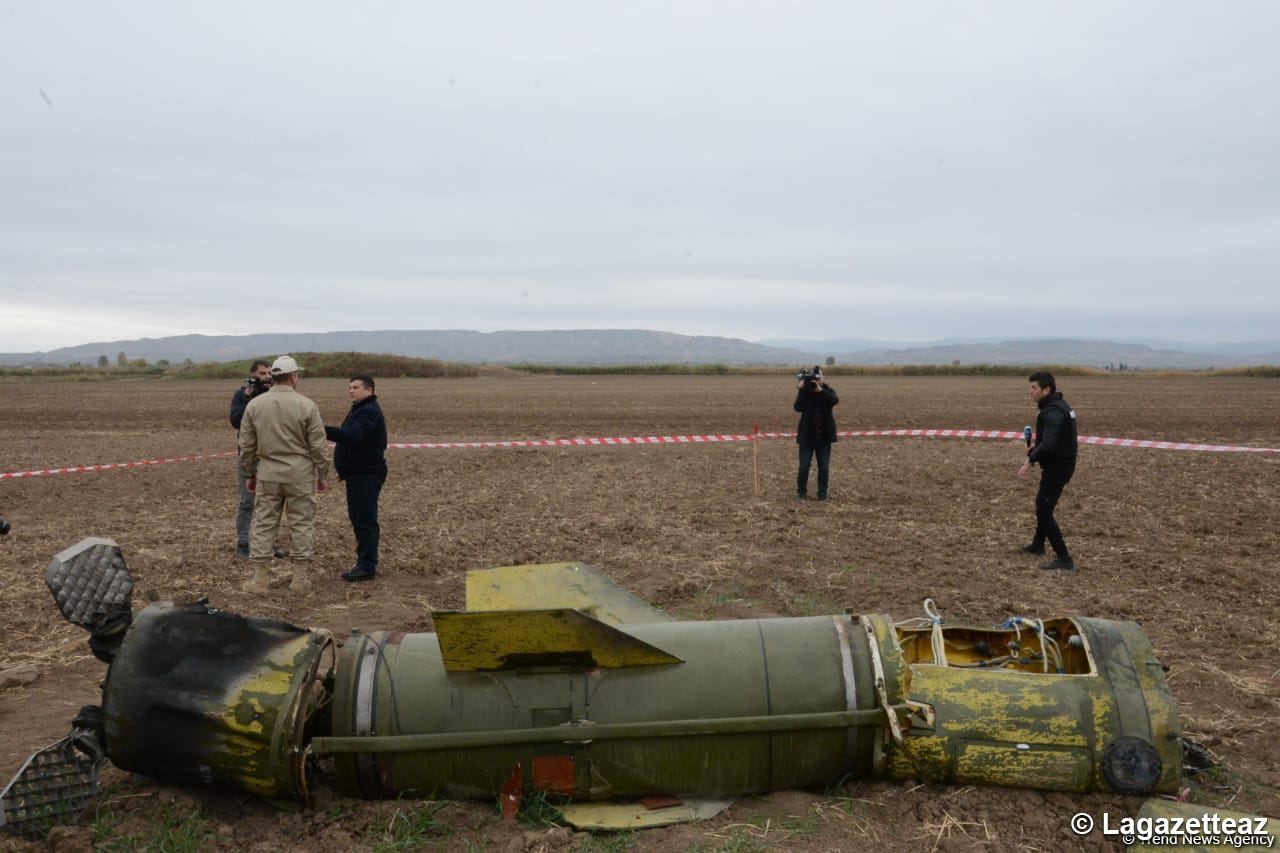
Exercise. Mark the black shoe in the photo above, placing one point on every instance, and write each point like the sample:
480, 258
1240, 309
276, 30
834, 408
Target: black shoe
1030, 548
802, 497
821, 497
1059, 564
279, 553
242, 551
359, 574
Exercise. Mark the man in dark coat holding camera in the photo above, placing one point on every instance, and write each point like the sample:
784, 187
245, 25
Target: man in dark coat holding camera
1053, 446
258, 382
359, 457
817, 431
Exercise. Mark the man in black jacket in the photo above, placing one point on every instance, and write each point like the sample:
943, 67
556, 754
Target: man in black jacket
817, 430
260, 371
1053, 447
359, 457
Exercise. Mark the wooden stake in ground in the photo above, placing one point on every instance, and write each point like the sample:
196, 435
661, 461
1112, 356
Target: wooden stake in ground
755, 455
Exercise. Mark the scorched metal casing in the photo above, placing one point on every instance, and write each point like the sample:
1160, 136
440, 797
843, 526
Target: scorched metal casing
199, 696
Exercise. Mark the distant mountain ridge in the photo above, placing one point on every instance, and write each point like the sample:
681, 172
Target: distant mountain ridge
639, 346
1073, 352
579, 346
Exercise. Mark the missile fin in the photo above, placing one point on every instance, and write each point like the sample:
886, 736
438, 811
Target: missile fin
488, 641
570, 586
637, 815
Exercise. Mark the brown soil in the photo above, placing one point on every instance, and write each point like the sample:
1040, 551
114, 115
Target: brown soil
1183, 542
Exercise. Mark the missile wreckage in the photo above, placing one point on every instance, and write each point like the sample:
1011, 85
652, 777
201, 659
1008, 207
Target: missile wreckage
555, 680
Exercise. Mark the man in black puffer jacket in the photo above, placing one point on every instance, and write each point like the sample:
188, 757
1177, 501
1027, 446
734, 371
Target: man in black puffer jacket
817, 430
359, 457
1053, 447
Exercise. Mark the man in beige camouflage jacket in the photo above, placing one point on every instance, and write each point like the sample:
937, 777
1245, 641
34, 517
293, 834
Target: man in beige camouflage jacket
283, 435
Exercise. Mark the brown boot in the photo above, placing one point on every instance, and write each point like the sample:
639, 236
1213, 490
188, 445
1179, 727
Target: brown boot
299, 582
260, 583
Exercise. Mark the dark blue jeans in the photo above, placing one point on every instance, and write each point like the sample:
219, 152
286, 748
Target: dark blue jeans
807, 452
362, 509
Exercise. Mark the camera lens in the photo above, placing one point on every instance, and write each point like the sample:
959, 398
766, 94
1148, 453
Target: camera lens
4, 527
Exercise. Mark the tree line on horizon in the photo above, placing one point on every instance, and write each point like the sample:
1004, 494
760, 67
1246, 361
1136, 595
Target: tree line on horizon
345, 364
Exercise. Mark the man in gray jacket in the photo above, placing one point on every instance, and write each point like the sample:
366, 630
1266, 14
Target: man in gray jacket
258, 383
282, 434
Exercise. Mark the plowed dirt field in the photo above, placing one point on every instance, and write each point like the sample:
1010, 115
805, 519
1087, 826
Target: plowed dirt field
1183, 542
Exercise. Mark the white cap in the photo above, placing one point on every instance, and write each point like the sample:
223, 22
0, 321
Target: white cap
284, 364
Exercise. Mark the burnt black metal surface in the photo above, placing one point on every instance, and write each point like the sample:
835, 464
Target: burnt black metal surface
1196, 757
178, 699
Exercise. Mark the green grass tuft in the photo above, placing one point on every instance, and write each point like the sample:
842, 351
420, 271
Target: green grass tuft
411, 828
537, 810
190, 832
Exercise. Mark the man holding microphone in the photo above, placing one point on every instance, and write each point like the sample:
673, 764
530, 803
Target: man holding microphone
1053, 446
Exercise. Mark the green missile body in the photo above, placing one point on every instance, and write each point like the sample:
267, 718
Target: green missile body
754, 706
556, 680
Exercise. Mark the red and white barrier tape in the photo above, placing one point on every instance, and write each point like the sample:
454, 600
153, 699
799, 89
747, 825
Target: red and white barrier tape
111, 466
581, 442
630, 441
1084, 439
876, 433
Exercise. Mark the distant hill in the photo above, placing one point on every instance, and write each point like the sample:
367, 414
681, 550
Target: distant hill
636, 346
1075, 352
581, 346
845, 345
1148, 355
1244, 349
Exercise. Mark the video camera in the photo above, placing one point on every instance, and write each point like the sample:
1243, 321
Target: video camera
5, 526
809, 377
254, 384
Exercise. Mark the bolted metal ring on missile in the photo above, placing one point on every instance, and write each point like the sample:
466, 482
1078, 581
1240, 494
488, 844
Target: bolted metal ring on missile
1131, 765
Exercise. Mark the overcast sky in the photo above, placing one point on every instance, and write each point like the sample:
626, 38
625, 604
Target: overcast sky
902, 171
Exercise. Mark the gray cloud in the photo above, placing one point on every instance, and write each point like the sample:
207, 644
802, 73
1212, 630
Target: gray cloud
919, 171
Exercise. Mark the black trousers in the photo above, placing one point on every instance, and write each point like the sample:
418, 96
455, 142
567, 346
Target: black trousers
807, 452
1052, 482
362, 509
